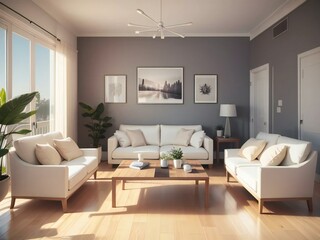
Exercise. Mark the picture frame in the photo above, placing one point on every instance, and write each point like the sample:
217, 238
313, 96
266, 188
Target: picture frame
115, 88
160, 85
205, 88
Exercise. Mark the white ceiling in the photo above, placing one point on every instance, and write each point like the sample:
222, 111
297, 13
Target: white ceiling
209, 17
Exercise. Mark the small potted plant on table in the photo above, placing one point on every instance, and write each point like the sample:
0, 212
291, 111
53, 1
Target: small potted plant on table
176, 154
219, 131
164, 160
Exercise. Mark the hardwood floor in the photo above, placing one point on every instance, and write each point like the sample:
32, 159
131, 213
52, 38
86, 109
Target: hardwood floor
160, 210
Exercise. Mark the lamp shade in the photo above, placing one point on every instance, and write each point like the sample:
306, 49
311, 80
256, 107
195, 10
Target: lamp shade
228, 110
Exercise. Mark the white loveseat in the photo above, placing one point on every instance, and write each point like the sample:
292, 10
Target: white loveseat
161, 139
30, 179
292, 179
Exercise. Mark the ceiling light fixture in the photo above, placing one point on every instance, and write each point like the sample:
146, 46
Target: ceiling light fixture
159, 28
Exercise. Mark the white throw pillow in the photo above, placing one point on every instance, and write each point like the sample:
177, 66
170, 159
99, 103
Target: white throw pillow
183, 137
122, 138
273, 155
67, 148
47, 155
252, 148
136, 137
197, 139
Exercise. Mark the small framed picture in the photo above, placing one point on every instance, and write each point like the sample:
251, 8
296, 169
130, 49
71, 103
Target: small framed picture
205, 88
115, 88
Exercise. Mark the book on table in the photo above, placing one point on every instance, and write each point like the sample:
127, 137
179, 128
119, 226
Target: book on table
138, 165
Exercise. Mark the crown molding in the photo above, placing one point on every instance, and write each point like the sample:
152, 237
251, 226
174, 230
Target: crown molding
278, 14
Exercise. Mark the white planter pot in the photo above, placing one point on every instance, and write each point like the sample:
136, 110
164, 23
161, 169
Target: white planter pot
4, 187
219, 133
177, 163
163, 163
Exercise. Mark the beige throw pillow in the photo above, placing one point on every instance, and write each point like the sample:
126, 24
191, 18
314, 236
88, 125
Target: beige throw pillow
67, 148
122, 138
252, 148
47, 155
183, 137
136, 137
273, 155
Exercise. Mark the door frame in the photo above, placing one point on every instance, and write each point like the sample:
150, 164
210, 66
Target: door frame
264, 67
300, 74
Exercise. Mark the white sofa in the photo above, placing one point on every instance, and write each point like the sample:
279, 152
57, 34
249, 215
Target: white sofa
30, 179
160, 139
292, 179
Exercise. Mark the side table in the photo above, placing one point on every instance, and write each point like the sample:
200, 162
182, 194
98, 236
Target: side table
219, 140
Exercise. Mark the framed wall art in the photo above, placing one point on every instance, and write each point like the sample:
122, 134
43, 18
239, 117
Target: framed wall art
160, 85
115, 88
205, 88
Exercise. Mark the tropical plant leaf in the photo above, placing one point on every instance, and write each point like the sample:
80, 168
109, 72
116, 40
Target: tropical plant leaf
22, 131
11, 112
3, 152
3, 97
86, 106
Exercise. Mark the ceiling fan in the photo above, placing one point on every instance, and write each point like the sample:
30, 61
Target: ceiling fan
159, 28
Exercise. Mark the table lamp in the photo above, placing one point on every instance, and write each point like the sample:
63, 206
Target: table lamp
228, 110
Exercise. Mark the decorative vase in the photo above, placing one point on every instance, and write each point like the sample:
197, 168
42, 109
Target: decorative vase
177, 163
4, 187
163, 163
219, 133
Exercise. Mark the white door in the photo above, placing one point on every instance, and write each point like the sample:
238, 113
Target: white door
309, 98
259, 100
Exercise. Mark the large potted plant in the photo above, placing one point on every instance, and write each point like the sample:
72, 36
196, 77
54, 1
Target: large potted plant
11, 113
98, 123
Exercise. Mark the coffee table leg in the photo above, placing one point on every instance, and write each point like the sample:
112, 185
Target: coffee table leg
123, 184
114, 193
197, 182
206, 193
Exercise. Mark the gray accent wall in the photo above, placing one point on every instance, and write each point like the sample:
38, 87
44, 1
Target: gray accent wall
228, 57
282, 54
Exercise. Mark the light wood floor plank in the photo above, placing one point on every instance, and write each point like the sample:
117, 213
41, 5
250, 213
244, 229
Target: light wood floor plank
160, 210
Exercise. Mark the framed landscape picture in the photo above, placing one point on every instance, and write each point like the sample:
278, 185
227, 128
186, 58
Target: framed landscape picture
205, 88
160, 85
115, 88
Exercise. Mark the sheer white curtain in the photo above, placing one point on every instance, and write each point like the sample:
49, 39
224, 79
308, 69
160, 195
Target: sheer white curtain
66, 98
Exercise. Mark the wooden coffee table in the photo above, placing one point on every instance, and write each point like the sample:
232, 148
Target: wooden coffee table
155, 172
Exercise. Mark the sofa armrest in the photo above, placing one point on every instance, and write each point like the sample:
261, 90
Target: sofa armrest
112, 145
231, 152
28, 180
288, 181
208, 145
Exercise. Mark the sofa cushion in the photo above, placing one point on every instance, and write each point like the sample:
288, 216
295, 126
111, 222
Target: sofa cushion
197, 139
52, 135
274, 155
150, 132
270, 138
233, 163
122, 138
75, 174
148, 152
26, 146
297, 151
136, 138
252, 148
169, 132
248, 176
89, 162
47, 155
67, 148
183, 137
189, 152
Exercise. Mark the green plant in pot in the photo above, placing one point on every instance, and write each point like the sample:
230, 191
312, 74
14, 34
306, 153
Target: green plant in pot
219, 129
177, 154
11, 113
164, 157
98, 123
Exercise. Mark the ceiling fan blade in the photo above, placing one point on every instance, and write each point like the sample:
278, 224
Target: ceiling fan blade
175, 33
146, 30
180, 25
147, 16
138, 25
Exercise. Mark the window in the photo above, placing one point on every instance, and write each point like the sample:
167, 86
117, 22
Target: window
3, 64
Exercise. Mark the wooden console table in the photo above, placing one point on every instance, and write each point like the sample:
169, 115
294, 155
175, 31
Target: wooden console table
219, 140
